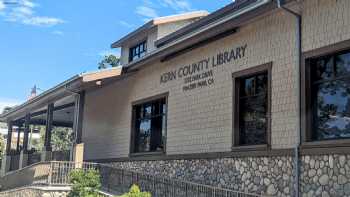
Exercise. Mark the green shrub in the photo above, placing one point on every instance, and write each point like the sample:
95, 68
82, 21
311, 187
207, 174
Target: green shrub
136, 192
85, 183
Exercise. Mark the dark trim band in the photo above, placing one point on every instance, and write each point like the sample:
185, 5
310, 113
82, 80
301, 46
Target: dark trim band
215, 155
239, 154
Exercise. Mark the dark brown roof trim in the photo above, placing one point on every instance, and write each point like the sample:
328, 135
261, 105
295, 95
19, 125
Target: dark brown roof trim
144, 27
205, 35
200, 44
232, 7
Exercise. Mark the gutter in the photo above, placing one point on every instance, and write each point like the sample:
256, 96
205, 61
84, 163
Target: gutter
37, 98
298, 18
259, 3
63, 87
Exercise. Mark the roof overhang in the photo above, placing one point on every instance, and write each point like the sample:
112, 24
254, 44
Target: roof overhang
158, 21
215, 16
224, 25
74, 85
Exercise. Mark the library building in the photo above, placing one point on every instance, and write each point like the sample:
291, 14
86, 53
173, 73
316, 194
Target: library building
253, 97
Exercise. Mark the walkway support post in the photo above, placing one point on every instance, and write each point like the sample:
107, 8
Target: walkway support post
46, 153
23, 159
18, 138
78, 146
6, 162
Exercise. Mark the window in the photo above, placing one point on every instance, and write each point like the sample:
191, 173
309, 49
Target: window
252, 106
149, 122
330, 96
138, 51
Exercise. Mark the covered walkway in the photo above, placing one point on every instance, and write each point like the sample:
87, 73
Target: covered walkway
60, 107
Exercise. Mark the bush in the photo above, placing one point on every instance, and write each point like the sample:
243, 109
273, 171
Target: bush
136, 192
85, 183
88, 184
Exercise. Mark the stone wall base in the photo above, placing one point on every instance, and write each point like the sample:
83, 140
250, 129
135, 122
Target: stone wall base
321, 175
325, 175
260, 175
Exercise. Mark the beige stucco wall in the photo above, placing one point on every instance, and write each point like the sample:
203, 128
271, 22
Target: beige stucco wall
201, 120
325, 22
167, 28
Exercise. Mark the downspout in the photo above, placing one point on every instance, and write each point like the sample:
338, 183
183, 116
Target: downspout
299, 53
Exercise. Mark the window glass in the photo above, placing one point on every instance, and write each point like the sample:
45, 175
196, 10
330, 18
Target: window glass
324, 68
331, 97
343, 64
138, 51
150, 126
144, 135
333, 110
248, 86
253, 110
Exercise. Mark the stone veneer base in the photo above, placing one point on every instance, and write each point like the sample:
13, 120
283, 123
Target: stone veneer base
326, 175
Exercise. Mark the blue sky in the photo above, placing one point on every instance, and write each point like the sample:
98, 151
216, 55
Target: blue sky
44, 42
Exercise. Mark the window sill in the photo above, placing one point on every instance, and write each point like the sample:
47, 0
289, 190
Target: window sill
326, 147
326, 143
263, 147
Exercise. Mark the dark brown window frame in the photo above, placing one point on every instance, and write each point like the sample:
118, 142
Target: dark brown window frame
235, 124
132, 152
305, 87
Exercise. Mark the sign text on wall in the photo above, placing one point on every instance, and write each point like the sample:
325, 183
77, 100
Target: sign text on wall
200, 74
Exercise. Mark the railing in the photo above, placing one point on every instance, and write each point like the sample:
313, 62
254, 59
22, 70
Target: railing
14, 163
36, 174
61, 155
34, 157
113, 180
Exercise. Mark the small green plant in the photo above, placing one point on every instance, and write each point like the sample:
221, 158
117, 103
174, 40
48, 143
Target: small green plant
85, 183
136, 192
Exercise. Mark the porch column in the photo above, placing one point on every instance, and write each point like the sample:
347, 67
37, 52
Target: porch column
23, 160
9, 138
46, 153
77, 154
6, 162
18, 138
78, 117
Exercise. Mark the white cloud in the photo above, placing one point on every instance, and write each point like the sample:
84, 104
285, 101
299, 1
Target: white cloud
42, 21
24, 13
177, 5
28, 3
148, 9
5, 102
58, 33
107, 53
23, 10
2, 6
147, 12
126, 24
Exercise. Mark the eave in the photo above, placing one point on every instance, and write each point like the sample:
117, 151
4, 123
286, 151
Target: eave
75, 84
205, 34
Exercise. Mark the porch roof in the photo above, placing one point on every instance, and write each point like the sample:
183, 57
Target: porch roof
65, 89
